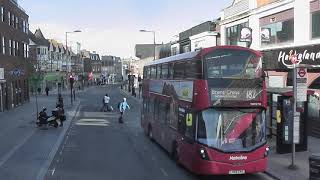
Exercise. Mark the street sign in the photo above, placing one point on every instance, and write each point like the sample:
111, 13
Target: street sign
301, 72
301, 84
1, 73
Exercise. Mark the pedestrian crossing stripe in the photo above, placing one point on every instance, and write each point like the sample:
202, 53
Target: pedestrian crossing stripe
93, 122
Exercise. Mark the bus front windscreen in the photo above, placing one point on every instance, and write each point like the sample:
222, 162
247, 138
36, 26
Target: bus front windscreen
232, 63
232, 130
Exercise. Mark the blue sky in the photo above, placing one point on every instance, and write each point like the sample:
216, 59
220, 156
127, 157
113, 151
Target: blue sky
111, 27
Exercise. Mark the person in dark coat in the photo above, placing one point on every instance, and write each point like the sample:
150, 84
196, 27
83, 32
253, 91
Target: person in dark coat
47, 91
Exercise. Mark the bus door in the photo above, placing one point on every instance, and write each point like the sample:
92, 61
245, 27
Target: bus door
187, 130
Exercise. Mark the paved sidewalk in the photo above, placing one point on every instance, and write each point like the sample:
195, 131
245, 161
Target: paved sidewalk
25, 150
278, 163
128, 94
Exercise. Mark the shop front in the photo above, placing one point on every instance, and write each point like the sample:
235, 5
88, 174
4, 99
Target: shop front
277, 62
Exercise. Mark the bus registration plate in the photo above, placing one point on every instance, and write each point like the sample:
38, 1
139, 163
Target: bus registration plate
237, 172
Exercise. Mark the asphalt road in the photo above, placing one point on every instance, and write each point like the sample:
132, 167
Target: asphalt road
97, 147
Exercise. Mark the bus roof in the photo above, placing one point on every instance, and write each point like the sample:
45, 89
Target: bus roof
191, 55
184, 56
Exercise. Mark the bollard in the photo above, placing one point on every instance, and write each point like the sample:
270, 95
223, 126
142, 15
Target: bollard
314, 167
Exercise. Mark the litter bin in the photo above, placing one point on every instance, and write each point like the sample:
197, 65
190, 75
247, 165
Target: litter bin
314, 167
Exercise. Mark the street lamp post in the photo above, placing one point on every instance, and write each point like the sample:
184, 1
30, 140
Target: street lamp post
71, 79
154, 42
76, 31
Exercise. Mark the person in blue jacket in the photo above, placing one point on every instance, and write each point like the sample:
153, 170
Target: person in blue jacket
123, 106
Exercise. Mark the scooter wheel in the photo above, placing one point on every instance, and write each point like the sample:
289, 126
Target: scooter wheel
55, 125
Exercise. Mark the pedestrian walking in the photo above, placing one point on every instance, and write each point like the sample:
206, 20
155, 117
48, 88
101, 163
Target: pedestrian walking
47, 91
106, 100
123, 106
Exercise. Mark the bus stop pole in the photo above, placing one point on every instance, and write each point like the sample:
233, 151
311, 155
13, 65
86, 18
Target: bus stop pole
293, 166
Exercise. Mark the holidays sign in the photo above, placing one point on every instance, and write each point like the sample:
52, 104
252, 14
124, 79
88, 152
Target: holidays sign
280, 59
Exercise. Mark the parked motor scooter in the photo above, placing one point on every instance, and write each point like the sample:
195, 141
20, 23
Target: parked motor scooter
55, 120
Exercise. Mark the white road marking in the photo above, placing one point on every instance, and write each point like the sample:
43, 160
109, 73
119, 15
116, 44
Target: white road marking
164, 172
93, 122
100, 114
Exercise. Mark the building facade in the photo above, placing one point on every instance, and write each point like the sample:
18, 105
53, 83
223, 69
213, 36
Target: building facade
280, 28
201, 36
14, 55
77, 64
38, 47
96, 66
111, 65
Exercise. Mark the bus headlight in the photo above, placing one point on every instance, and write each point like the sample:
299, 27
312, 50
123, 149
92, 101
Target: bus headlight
204, 154
266, 152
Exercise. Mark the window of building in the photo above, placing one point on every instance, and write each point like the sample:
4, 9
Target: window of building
14, 48
280, 32
3, 45
12, 20
24, 50
315, 24
9, 18
174, 51
233, 34
17, 23
23, 26
186, 48
17, 49
10, 47
38, 51
2, 13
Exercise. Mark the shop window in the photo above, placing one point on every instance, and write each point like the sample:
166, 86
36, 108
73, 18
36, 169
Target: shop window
280, 32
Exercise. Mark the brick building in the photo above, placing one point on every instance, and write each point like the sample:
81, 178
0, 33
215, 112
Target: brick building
14, 55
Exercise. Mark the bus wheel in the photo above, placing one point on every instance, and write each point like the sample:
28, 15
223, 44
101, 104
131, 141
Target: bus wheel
150, 134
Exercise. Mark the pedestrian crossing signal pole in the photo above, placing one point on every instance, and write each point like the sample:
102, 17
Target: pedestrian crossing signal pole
71, 80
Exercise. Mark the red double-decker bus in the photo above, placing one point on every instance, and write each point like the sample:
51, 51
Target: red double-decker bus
207, 109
